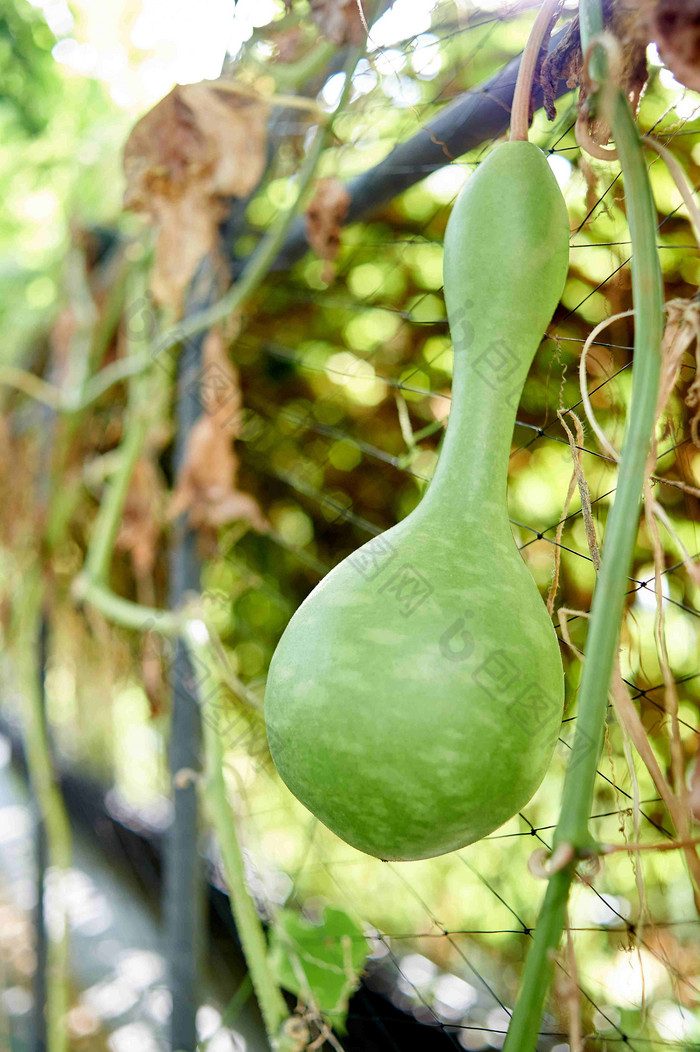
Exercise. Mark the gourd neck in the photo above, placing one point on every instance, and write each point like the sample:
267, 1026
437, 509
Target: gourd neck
505, 264
471, 476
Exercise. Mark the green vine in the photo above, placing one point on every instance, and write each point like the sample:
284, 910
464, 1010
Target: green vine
572, 839
47, 792
250, 930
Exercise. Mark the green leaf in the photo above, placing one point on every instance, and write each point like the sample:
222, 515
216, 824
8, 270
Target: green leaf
320, 963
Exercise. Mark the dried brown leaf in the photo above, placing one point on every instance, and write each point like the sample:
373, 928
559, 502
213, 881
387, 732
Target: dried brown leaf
562, 63
629, 22
325, 216
339, 20
219, 386
207, 487
187, 231
676, 30
202, 143
209, 134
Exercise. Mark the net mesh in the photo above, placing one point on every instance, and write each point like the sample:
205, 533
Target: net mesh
346, 390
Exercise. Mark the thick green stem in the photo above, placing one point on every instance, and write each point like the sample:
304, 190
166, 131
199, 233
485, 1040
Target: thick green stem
621, 531
106, 527
50, 803
122, 611
250, 930
609, 596
522, 96
590, 17
539, 968
91, 586
31, 385
32, 625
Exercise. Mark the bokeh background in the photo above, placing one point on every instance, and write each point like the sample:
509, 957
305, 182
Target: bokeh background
338, 373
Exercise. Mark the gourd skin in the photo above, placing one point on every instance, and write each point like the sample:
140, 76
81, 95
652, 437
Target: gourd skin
415, 698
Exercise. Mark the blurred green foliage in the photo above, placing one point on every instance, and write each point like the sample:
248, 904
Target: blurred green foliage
28, 77
323, 370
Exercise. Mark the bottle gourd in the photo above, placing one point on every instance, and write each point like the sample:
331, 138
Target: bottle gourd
415, 698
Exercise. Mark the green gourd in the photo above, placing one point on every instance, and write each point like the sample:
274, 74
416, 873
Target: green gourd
415, 698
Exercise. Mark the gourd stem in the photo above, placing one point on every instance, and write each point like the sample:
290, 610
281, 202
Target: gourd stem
520, 111
608, 600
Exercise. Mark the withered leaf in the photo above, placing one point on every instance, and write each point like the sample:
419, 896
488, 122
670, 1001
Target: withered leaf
339, 20
206, 487
325, 216
200, 144
562, 63
676, 30
627, 21
219, 386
